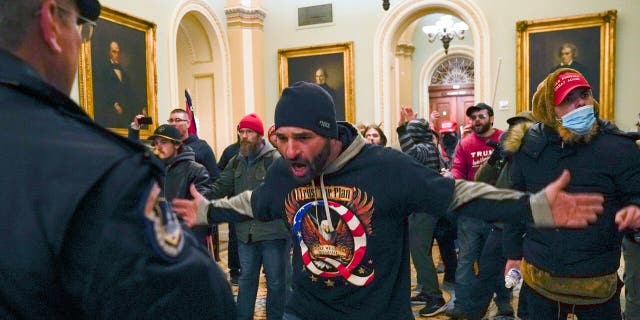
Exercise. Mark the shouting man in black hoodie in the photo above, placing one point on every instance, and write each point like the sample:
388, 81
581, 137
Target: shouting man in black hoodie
347, 203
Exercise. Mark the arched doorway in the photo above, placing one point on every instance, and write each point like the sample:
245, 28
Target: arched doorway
200, 62
390, 31
451, 89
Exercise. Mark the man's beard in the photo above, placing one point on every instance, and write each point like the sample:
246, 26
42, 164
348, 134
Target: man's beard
315, 166
482, 129
248, 148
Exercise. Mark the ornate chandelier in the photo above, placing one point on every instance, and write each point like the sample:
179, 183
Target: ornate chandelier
445, 30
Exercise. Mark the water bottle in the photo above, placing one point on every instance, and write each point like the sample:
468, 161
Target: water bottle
513, 278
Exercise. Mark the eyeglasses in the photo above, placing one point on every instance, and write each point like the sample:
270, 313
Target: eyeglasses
85, 26
247, 132
176, 120
481, 116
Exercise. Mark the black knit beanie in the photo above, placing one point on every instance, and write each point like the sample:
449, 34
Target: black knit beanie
307, 105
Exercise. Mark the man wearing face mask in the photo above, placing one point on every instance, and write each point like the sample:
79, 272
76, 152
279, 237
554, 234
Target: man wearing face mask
574, 271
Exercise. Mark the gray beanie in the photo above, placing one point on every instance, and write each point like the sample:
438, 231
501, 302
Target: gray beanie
307, 105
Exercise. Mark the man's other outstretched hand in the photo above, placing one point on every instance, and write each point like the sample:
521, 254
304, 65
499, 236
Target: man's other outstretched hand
572, 210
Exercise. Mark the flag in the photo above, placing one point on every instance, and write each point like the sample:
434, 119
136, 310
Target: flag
193, 128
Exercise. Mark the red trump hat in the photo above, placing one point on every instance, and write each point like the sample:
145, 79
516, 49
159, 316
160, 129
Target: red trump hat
448, 126
565, 83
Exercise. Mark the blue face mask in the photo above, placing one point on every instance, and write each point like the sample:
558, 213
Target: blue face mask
579, 121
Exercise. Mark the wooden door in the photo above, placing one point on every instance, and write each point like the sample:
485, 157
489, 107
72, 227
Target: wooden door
451, 101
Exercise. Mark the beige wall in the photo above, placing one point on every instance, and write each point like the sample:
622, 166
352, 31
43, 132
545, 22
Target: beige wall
502, 15
358, 20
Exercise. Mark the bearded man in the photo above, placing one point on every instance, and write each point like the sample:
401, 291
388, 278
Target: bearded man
471, 153
260, 243
354, 264
575, 271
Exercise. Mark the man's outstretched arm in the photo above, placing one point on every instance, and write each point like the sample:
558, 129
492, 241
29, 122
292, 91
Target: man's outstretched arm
199, 210
551, 207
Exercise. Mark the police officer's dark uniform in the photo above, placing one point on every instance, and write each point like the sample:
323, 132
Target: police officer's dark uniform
81, 233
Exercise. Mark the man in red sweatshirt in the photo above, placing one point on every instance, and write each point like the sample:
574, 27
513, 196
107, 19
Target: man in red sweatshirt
470, 154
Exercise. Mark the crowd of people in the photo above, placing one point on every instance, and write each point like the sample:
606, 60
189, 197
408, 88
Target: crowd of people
104, 227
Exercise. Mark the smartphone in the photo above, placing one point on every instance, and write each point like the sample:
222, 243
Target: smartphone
145, 120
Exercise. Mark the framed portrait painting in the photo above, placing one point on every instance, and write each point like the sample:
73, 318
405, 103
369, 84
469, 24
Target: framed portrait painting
585, 43
330, 66
117, 76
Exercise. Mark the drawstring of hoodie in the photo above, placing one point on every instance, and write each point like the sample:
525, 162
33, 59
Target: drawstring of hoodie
326, 202
324, 227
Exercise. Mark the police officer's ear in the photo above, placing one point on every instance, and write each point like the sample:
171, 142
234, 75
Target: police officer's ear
50, 25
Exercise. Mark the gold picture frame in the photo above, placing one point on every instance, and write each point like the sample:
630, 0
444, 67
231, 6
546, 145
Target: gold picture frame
538, 42
336, 62
118, 81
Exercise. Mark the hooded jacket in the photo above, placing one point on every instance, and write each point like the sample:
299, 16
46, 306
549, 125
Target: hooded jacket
182, 171
240, 175
351, 251
605, 160
416, 140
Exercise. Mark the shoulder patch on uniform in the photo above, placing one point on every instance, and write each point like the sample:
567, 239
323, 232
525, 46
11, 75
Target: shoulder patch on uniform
163, 229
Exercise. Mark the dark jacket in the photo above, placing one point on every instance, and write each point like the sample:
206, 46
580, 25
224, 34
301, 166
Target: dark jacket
202, 152
240, 175
416, 140
609, 164
229, 152
76, 239
182, 171
203, 155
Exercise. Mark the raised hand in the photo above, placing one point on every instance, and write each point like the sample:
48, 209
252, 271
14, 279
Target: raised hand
572, 210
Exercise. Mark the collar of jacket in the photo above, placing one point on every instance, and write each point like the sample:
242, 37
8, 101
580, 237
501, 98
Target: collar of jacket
538, 136
17, 74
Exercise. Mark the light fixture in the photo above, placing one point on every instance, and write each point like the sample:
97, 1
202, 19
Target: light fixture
385, 5
445, 30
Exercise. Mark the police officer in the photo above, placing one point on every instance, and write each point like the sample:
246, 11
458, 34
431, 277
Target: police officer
84, 233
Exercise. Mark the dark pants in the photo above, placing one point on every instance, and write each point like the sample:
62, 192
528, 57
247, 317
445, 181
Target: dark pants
480, 244
421, 228
273, 255
541, 308
232, 253
491, 277
445, 234
631, 251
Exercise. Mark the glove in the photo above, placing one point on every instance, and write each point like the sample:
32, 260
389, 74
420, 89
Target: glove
497, 152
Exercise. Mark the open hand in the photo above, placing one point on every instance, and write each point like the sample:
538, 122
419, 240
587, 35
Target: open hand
572, 210
188, 209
